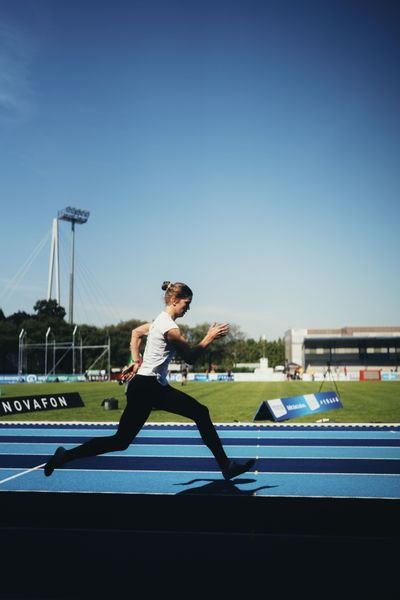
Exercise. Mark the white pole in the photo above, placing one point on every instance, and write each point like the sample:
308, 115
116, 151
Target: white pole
109, 358
54, 263
45, 362
50, 282
71, 277
73, 349
20, 350
54, 354
55, 225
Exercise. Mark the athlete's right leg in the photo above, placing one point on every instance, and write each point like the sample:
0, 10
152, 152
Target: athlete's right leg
132, 420
176, 401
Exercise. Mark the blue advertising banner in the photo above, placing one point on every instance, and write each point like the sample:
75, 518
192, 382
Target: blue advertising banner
281, 409
201, 377
213, 377
40, 378
390, 376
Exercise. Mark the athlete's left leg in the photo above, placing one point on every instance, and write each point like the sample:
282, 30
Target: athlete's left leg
132, 420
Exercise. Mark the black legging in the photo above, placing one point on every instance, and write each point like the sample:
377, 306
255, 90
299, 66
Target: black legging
143, 394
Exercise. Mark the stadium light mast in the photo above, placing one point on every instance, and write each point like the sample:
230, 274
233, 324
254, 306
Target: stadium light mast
73, 215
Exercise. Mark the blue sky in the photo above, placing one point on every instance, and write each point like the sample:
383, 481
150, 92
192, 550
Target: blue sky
249, 149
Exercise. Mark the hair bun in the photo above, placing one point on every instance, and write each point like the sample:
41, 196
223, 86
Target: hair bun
165, 285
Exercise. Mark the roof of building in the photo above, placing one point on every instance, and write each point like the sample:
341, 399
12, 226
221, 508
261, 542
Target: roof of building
346, 331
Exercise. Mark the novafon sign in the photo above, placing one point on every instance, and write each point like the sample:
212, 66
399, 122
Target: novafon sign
281, 409
24, 404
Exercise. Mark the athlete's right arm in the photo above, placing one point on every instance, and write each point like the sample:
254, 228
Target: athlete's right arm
137, 334
136, 337
191, 353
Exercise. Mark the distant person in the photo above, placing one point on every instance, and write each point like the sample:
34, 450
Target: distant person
148, 387
286, 370
185, 372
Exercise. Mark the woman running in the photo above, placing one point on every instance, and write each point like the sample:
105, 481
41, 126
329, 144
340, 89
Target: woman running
148, 386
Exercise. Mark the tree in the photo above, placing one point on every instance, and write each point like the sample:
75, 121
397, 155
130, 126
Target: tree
120, 338
49, 309
276, 352
19, 317
224, 352
8, 346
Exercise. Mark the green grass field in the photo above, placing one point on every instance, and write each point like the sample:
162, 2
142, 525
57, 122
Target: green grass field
363, 402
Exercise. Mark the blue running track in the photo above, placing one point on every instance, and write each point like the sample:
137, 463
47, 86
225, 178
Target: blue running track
293, 461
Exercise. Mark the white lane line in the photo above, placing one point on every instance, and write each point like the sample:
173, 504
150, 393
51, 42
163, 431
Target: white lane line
23, 473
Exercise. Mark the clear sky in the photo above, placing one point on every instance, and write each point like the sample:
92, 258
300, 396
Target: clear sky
248, 148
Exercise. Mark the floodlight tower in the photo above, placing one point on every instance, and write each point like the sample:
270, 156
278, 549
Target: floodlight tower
73, 215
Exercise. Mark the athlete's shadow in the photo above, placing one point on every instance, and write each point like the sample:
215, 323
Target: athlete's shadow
221, 487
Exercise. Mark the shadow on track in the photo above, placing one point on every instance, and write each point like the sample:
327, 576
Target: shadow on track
221, 487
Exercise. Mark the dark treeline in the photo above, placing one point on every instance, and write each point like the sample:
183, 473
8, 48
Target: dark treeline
224, 354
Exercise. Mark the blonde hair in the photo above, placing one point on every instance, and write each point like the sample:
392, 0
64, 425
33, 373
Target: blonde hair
175, 290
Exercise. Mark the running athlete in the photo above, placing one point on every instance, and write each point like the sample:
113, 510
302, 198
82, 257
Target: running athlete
148, 386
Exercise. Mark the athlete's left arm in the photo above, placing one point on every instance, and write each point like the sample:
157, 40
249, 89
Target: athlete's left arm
191, 353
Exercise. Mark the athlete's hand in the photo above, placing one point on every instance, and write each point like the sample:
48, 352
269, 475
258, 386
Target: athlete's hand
129, 373
218, 330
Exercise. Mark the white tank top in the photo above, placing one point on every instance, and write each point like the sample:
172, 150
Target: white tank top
158, 351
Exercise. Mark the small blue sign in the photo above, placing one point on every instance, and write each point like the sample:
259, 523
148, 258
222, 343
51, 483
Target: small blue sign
390, 376
281, 409
200, 377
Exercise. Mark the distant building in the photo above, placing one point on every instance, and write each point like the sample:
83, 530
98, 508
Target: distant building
350, 347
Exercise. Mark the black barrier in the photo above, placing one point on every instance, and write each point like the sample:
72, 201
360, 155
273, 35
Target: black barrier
110, 404
24, 404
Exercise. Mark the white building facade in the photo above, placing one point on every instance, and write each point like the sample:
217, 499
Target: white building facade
352, 348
